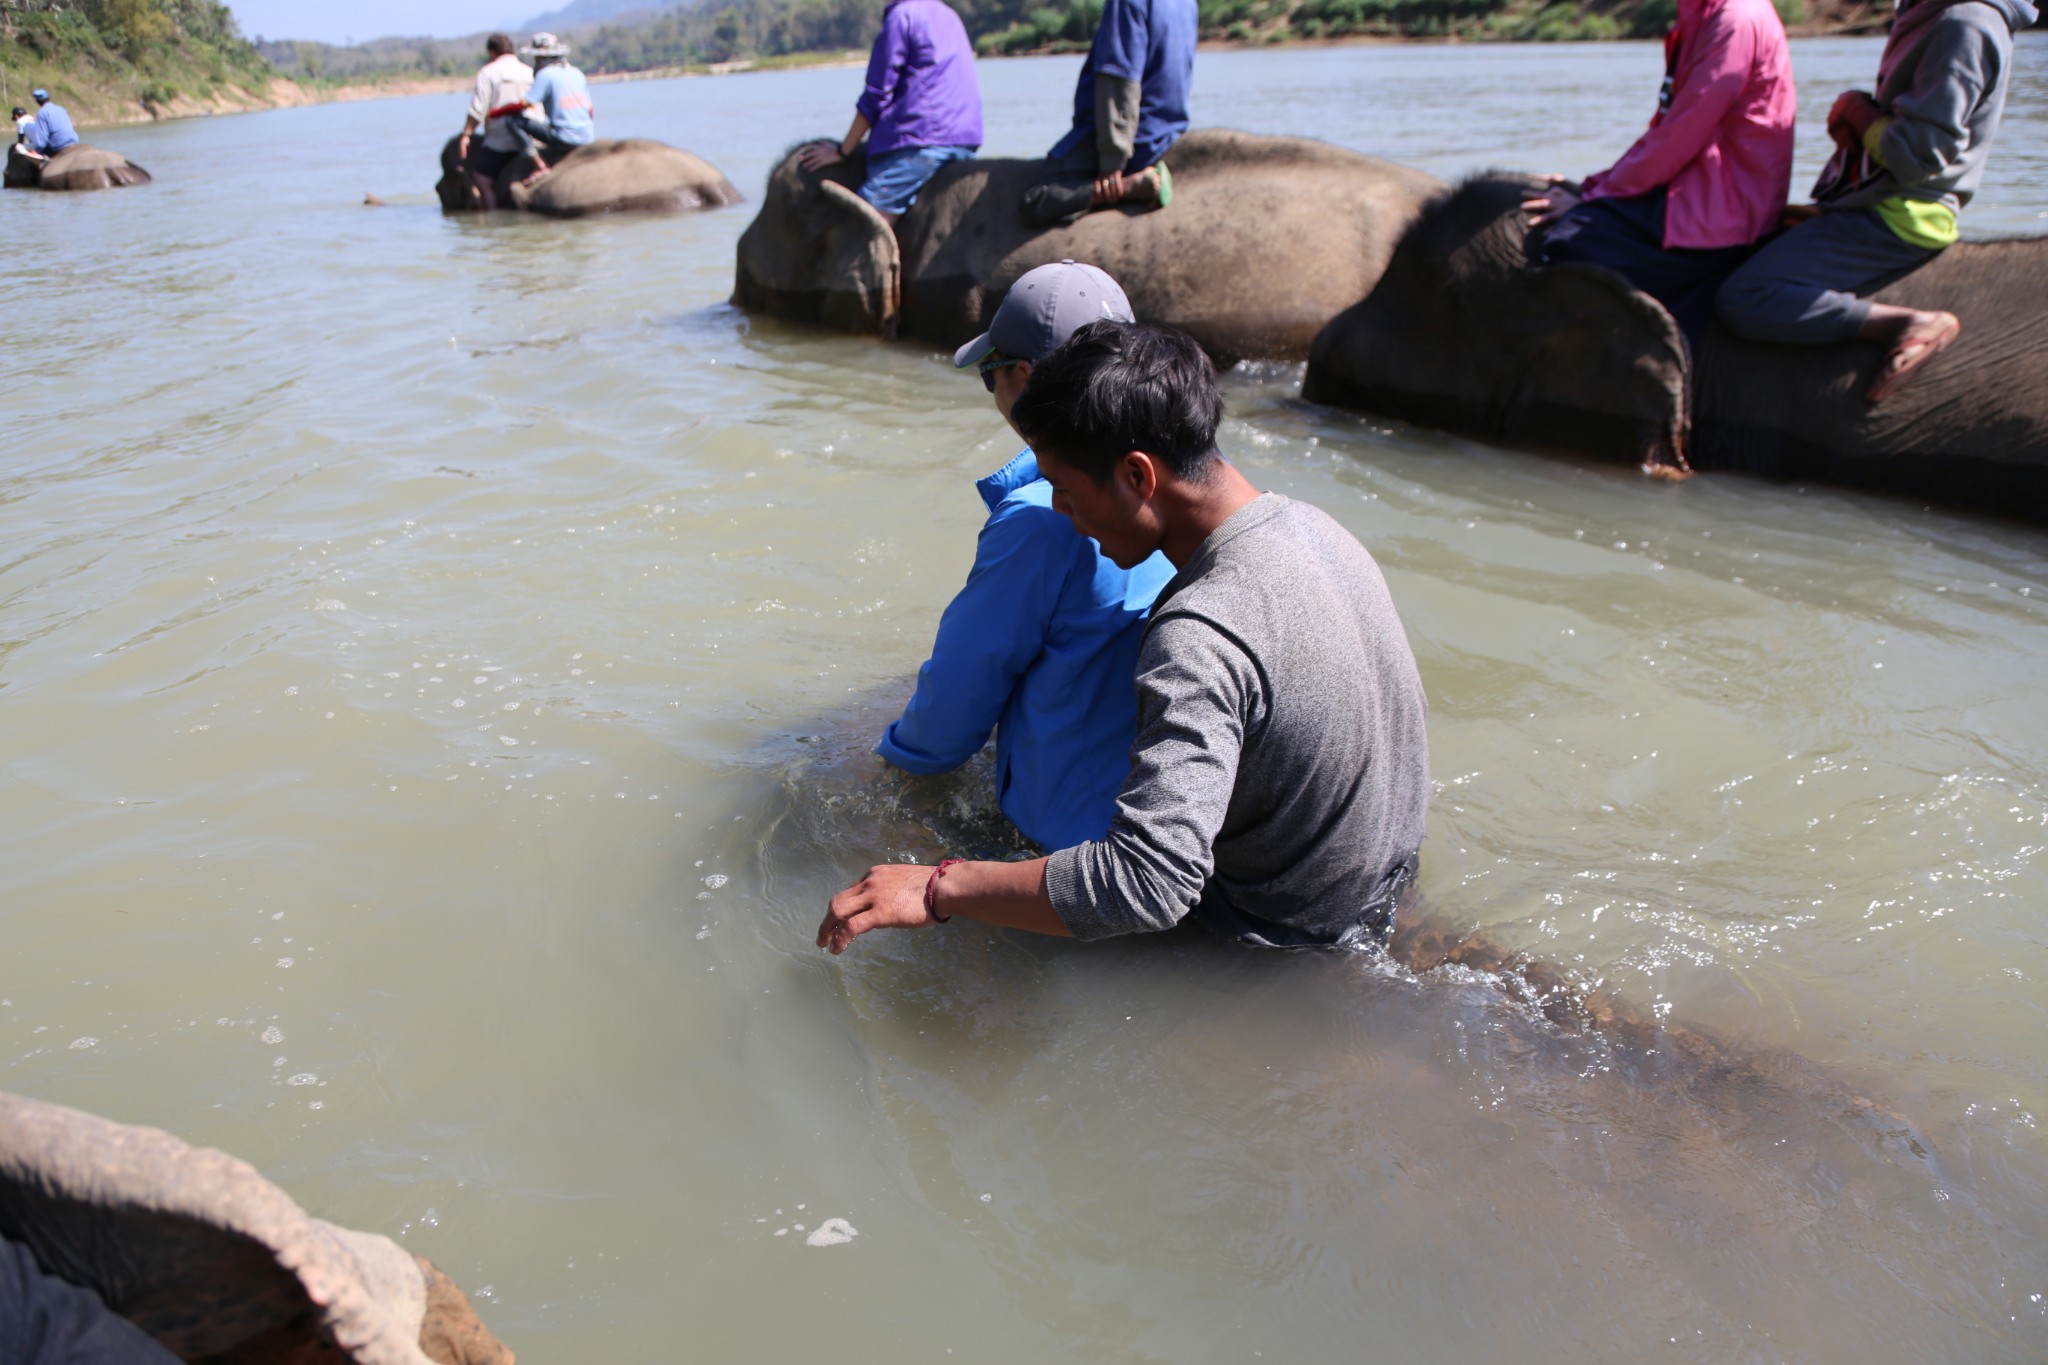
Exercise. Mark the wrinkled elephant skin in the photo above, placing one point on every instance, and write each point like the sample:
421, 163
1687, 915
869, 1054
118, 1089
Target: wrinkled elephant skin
1463, 334
77, 167
215, 1262
630, 175
1267, 239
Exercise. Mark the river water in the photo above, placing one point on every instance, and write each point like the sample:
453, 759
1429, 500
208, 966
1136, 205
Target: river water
435, 663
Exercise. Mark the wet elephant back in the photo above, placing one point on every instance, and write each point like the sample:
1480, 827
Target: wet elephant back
633, 175
1265, 241
1969, 429
83, 167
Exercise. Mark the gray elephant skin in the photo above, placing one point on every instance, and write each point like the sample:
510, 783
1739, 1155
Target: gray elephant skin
625, 175
1266, 240
77, 167
218, 1264
1463, 334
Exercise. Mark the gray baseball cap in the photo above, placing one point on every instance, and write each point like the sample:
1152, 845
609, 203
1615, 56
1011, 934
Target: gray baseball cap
1045, 307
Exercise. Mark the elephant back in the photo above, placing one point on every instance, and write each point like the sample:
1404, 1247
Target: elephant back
84, 167
1970, 428
1267, 239
630, 175
199, 1250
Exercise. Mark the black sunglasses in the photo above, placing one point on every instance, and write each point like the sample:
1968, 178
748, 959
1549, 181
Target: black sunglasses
989, 366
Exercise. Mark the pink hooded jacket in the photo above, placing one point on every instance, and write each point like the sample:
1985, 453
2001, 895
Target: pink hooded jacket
1723, 145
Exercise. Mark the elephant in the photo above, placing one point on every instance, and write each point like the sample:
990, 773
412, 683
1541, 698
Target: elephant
628, 175
201, 1252
77, 167
1462, 333
1267, 239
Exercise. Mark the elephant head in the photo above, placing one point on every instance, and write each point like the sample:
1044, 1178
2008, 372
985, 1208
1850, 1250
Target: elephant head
818, 252
197, 1249
1462, 333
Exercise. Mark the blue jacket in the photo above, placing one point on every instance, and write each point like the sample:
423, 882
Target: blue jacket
52, 131
1041, 646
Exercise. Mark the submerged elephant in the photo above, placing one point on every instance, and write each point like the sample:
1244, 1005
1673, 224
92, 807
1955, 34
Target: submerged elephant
630, 175
1266, 240
77, 167
1463, 334
202, 1253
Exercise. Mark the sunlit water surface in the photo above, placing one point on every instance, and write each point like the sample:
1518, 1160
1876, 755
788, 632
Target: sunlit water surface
435, 663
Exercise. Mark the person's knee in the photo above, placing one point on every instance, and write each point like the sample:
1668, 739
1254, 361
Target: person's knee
1756, 308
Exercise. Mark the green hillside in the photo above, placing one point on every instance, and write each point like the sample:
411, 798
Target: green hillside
111, 60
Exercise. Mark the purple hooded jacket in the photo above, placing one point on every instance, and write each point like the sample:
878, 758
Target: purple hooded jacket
921, 89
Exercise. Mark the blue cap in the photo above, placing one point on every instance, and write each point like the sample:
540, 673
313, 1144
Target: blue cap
1045, 307
42, 96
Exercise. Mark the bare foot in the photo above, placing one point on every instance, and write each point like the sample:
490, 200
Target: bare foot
1923, 337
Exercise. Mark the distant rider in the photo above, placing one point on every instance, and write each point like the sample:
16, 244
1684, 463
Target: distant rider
568, 119
500, 96
921, 108
23, 121
51, 131
1906, 160
1041, 645
1690, 200
1130, 106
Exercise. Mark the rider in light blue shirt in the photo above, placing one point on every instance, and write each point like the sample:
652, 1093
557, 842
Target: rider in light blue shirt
564, 98
52, 132
1041, 645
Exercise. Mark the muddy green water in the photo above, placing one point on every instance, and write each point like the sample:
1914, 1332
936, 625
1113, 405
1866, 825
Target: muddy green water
435, 658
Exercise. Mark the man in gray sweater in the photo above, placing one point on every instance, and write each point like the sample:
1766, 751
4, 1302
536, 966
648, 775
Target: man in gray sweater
1280, 774
1907, 158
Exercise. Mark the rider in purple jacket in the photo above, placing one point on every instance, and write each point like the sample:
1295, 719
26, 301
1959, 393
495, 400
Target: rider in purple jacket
920, 110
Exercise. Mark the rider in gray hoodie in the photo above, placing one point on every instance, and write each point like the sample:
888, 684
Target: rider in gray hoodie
1906, 160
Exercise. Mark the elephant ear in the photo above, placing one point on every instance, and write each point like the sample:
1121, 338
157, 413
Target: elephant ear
863, 265
1606, 373
200, 1251
817, 252
457, 195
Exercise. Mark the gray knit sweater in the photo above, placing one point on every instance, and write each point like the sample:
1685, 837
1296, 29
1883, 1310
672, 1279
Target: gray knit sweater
1281, 769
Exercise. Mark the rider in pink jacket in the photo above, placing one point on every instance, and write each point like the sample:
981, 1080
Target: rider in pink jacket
1707, 180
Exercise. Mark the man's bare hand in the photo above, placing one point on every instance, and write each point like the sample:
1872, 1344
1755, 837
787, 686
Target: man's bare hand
1557, 199
1850, 118
462, 147
820, 154
890, 896
1109, 189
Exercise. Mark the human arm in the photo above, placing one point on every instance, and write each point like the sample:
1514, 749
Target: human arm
824, 152
1716, 73
892, 896
1927, 129
989, 635
1199, 694
1559, 196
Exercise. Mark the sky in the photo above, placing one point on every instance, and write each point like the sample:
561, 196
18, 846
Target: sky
342, 21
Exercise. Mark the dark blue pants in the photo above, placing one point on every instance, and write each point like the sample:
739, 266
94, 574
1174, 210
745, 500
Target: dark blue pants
1803, 288
1627, 236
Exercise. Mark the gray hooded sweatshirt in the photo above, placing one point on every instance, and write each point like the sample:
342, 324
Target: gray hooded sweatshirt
1942, 83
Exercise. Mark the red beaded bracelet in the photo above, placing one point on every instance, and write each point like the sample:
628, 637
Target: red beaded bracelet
931, 889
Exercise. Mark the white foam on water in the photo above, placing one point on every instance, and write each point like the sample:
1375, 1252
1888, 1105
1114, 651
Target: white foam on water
831, 1233
715, 880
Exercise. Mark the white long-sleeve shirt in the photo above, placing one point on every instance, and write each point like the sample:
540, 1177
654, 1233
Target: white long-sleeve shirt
503, 81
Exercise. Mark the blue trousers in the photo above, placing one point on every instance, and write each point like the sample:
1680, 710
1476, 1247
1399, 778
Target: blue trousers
1627, 236
894, 178
1803, 287
44, 1321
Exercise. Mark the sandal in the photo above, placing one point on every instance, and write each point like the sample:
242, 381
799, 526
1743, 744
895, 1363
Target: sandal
1907, 356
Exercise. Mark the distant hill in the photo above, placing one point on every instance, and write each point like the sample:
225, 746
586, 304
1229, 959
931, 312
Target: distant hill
138, 59
580, 12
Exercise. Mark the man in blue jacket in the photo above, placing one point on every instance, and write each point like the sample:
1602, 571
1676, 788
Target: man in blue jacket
1130, 106
52, 132
1041, 645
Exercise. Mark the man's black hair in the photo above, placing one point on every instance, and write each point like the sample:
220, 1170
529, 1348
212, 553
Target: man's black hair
1115, 387
498, 45
19, 111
